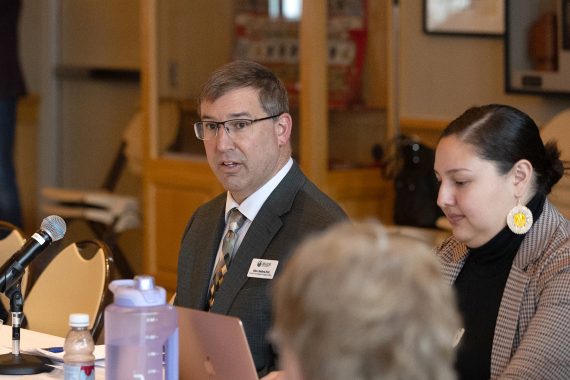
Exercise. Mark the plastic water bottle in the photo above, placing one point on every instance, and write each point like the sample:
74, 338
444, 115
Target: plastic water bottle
141, 332
78, 358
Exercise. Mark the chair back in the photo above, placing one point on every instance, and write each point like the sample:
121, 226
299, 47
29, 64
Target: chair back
75, 281
11, 240
559, 129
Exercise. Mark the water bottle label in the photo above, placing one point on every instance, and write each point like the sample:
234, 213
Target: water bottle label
79, 372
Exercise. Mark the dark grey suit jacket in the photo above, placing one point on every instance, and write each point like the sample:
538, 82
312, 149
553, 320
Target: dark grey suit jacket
295, 209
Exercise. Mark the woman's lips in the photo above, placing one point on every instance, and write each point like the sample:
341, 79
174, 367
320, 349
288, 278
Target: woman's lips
454, 218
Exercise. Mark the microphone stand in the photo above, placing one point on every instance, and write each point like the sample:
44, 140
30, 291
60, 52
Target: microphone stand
17, 363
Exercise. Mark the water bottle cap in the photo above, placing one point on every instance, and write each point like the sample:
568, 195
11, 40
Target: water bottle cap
138, 292
79, 320
144, 282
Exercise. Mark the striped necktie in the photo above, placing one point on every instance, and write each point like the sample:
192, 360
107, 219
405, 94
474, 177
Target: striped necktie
235, 221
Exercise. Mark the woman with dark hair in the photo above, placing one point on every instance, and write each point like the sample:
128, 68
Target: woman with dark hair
509, 256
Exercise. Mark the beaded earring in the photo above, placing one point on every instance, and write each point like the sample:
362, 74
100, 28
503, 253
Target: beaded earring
519, 219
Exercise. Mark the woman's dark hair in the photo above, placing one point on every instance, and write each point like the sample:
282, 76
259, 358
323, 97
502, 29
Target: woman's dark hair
505, 135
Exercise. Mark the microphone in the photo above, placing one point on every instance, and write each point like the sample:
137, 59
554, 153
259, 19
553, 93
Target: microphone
52, 229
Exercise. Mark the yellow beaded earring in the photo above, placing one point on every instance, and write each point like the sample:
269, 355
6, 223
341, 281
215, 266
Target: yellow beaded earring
519, 219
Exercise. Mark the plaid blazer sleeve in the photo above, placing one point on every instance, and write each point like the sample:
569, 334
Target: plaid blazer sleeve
540, 347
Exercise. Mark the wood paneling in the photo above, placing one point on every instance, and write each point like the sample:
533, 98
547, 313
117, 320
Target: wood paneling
176, 185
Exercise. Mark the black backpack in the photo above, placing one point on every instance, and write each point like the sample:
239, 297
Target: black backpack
415, 184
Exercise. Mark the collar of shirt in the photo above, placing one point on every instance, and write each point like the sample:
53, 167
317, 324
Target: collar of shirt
250, 207
252, 204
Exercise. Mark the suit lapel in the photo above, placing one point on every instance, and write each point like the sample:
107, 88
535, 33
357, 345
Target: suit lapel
253, 246
202, 269
263, 229
452, 260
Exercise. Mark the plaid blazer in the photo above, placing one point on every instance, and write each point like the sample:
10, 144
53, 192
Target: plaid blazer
532, 333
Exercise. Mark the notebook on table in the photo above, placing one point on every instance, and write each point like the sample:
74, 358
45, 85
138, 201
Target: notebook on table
213, 346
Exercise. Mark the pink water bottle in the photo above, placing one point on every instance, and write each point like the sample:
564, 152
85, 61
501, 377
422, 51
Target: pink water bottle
141, 332
78, 358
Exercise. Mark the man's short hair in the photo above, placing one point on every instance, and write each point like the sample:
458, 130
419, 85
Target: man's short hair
241, 74
356, 302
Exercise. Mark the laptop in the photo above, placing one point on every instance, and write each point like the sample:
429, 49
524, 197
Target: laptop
213, 346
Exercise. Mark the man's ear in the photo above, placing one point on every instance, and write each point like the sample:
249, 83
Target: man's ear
522, 177
283, 128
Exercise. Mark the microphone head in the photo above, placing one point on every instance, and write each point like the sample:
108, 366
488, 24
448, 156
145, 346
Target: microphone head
55, 227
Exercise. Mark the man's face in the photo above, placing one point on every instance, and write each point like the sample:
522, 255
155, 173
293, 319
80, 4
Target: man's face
246, 162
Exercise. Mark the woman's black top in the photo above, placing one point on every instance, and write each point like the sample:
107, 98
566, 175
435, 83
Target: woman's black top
479, 287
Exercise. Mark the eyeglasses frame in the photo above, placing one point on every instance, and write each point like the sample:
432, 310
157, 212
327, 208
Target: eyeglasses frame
223, 124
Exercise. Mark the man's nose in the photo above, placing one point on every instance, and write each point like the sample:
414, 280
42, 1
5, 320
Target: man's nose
223, 138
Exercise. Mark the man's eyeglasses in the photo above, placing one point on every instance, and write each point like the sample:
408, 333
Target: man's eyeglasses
207, 130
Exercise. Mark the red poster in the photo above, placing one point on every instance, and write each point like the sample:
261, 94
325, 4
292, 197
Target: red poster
267, 36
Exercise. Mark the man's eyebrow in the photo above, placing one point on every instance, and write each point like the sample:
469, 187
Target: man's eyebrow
237, 115
231, 116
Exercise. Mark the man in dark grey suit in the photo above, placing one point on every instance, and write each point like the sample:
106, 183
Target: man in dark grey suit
246, 129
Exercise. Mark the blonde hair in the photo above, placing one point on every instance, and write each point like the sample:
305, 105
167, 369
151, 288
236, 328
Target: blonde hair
357, 303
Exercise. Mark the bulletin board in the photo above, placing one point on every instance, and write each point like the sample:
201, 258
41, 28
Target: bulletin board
271, 39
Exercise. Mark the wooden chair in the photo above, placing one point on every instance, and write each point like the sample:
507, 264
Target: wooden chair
559, 129
75, 281
11, 240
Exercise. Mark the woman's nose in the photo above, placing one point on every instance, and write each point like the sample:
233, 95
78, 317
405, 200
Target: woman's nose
444, 196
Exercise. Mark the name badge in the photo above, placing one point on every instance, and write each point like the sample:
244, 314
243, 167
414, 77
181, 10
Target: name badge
260, 268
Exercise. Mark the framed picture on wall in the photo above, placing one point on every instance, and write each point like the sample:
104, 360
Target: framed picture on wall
483, 18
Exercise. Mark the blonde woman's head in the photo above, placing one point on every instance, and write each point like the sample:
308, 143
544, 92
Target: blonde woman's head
356, 302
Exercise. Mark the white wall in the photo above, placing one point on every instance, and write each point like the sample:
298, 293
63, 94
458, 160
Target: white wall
70, 136
441, 76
